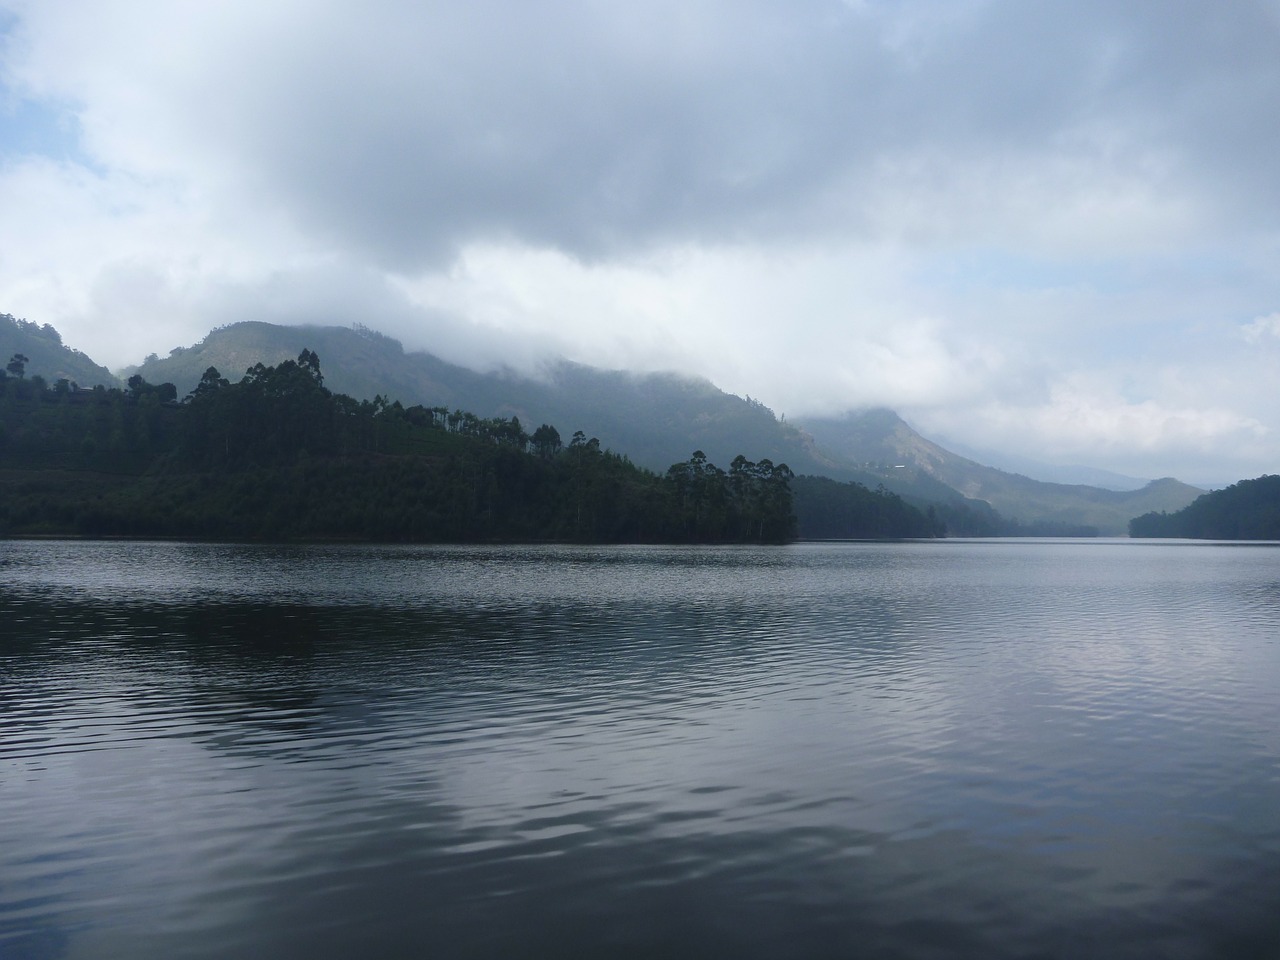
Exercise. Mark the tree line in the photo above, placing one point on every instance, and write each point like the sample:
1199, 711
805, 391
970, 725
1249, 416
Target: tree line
1248, 510
277, 455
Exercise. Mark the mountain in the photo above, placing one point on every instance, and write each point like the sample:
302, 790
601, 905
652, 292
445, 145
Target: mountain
1047, 472
47, 356
881, 440
659, 419
655, 419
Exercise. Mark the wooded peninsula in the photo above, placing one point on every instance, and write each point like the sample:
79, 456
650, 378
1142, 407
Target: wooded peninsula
1248, 510
278, 456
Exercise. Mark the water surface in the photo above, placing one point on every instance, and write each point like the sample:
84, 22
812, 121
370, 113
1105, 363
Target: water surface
988, 749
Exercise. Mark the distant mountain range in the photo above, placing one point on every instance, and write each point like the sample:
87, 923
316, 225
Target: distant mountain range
880, 438
1049, 472
659, 419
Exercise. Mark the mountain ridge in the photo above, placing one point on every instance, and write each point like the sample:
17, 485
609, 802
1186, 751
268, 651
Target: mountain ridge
655, 419
881, 433
1070, 474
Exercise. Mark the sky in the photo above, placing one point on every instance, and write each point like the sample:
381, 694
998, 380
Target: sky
1049, 229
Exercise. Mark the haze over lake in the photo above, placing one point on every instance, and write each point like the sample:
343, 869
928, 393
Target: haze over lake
951, 748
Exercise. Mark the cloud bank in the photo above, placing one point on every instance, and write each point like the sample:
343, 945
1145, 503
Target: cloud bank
1028, 224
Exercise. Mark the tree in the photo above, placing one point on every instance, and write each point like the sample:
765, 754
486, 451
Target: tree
546, 441
309, 361
17, 365
211, 381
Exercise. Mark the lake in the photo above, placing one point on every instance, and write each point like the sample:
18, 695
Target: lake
989, 749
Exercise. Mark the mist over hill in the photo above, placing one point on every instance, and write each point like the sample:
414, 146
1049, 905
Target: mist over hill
653, 419
656, 419
47, 356
1046, 472
882, 439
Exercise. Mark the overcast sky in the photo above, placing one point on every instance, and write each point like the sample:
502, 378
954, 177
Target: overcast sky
1046, 228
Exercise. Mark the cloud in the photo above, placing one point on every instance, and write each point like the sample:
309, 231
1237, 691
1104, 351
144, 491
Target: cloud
1262, 329
1084, 419
404, 131
1007, 215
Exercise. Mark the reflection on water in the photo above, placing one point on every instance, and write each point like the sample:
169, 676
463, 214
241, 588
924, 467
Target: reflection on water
896, 750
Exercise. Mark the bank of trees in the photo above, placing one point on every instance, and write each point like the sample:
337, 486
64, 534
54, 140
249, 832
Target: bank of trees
277, 455
1248, 510
61, 426
829, 510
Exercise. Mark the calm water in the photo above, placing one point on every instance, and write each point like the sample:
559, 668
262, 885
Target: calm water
954, 749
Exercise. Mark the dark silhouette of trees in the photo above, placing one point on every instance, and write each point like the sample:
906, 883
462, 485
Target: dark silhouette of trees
546, 441
139, 389
277, 455
752, 502
830, 510
1248, 510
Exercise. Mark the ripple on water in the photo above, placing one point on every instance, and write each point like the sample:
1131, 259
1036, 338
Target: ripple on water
904, 750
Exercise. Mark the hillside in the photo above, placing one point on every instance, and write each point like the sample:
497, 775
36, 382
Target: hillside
47, 356
655, 419
879, 440
1248, 510
278, 456
1072, 474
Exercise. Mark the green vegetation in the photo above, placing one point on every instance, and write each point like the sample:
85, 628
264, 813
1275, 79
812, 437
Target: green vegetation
45, 355
272, 424
1248, 510
829, 510
656, 418
659, 418
279, 456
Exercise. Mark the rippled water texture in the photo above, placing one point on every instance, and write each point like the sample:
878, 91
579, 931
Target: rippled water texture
983, 749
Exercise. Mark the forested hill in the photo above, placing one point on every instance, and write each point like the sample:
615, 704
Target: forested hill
1248, 510
277, 455
44, 354
657, 418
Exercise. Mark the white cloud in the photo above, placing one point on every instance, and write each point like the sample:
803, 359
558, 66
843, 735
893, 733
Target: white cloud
810, 330
1084, 419
1262, 329
1004, 218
